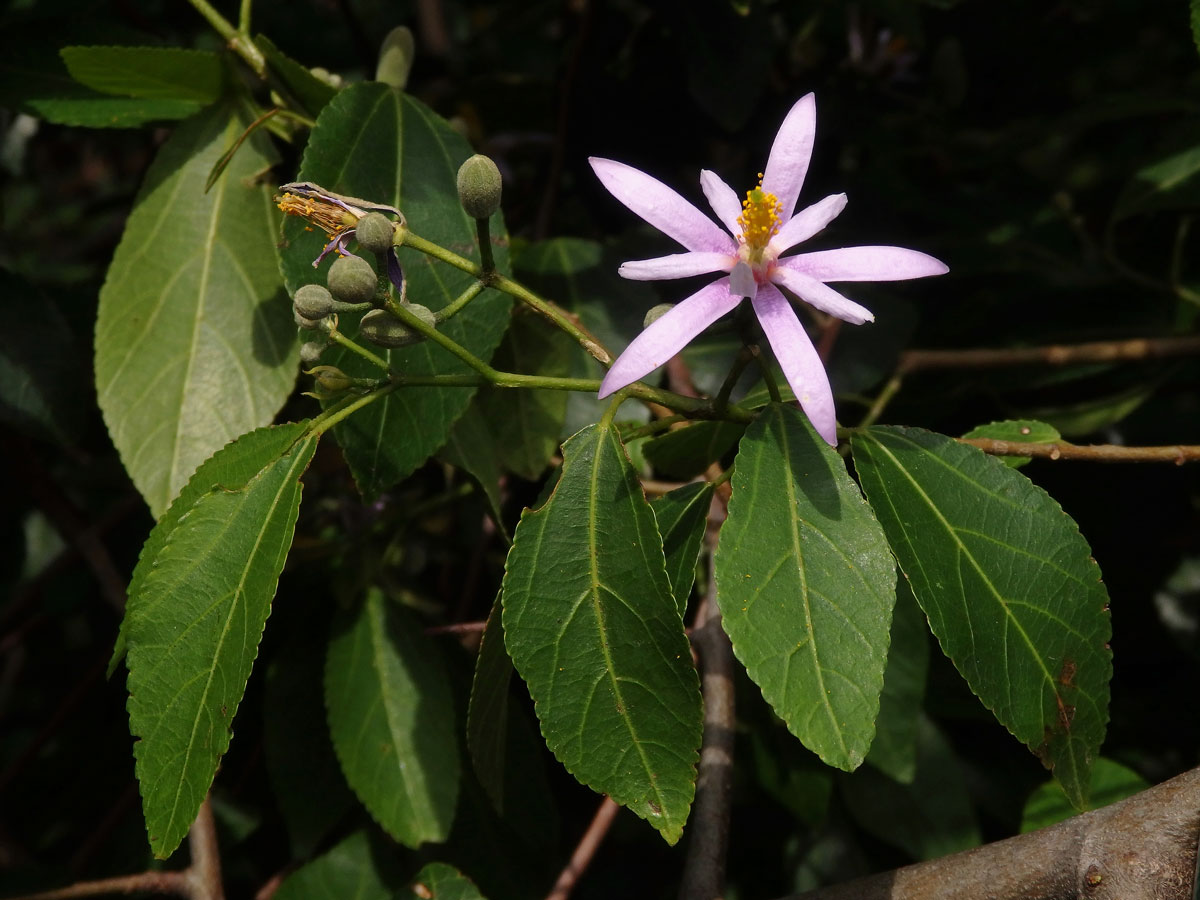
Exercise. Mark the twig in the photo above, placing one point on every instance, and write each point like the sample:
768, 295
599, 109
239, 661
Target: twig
1143, 848
585, 850
708, 829
1050, 355
457, 628
1109, 453
199, 881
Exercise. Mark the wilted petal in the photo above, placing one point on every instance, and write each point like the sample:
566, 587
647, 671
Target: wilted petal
866, 264
790, 154
799, 360
338, 243
669, 334
660, 206
723, 199
808, 222
822, 296
741, 280
396, 274
678, 265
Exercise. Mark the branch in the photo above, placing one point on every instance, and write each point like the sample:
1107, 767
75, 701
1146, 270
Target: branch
708, 829
1143, 848
585, 850
1177, 453
199, 881
1051, 355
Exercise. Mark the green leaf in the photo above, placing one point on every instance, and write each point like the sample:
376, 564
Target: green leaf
307, 783
894, 750
194, 338
373, 142
930, 817
1023, 431
310, 90
1169, 183
155, 73
438, 881
472, 448
195, 618
487, 713
527, 423
358, 868
592, 627
391, 715
682, 517
1110, 782
101, 111
1008, 584
806, 586
687, 452
40, 372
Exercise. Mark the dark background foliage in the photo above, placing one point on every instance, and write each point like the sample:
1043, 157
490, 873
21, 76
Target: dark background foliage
1007, 139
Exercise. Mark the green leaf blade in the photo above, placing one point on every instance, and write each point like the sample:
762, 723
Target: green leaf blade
193, 631
153, 73
806, 586
1009, 587
194, 338
373, 142
592, 627
391, 716
682, 517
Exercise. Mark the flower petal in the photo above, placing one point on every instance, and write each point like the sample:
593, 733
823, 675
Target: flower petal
866, 264
822, 296
808, 222
799, 360
668, 335
790, 154
678, 265
660, 206
723, 199
741, 280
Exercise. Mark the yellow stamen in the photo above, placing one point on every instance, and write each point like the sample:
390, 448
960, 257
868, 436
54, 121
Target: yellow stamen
329, 217
759, 220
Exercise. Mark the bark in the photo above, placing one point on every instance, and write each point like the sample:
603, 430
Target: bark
1143, 848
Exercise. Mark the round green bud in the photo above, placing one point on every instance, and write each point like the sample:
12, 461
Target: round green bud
312, 301
330, 379
304, 322
655, 313
352, 280
311, 351
374, 232
396, 57
479, 187
380, 327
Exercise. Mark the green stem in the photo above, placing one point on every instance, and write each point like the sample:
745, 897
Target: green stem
451, 309
655, 427
492, 278
345, 408
244, 17
744, 357
487, 261
342, 341
768, 376
239, 42
405, 315
881, 401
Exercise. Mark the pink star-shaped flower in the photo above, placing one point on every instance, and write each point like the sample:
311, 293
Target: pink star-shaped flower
760, 230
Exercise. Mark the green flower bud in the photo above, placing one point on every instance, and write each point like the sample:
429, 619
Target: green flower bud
655, 313
479, 187
312, 301
380, 327
352, 280
311, 351
330, 379
374, 232
395, 57
304, 322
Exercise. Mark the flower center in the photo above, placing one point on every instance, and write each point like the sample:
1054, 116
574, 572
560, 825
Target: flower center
329, 217
759, 221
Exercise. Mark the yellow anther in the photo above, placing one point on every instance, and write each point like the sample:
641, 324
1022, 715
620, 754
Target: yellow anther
329, 217
759, 219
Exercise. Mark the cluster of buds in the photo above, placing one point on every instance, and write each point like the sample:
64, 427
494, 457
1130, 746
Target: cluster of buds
352, 284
